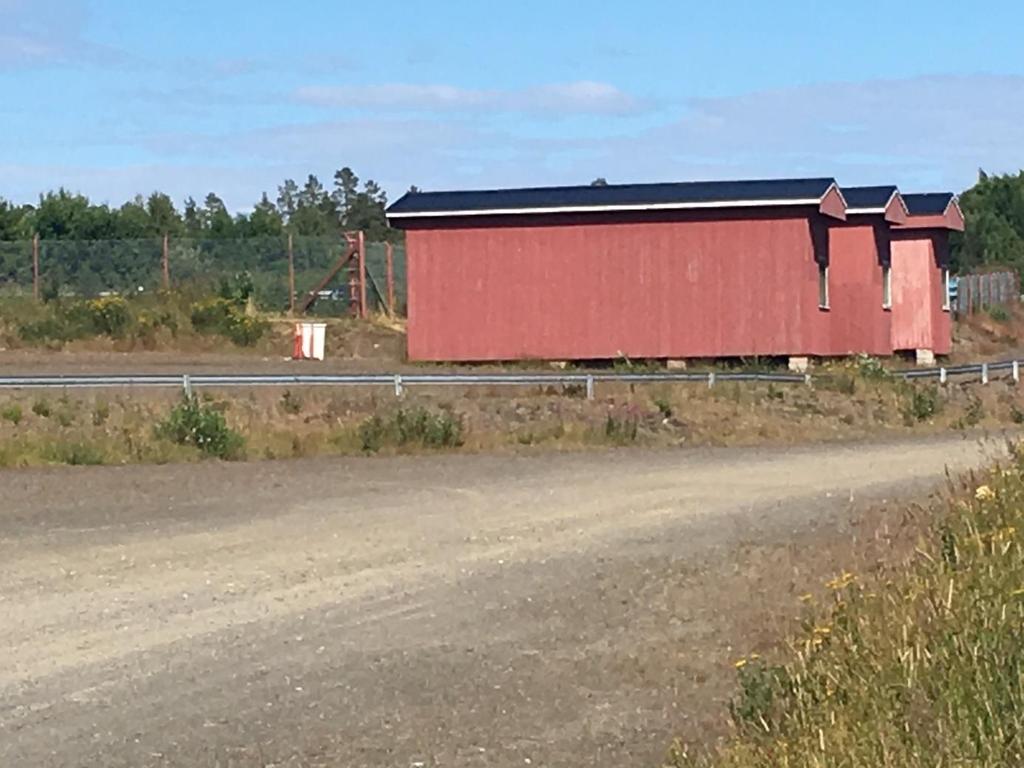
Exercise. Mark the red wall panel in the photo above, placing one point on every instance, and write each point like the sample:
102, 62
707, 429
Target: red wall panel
913, 286
659, 289
859, 321
919, 320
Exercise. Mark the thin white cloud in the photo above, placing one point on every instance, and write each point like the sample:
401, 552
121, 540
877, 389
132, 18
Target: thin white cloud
47, 33
924, 133
581, 97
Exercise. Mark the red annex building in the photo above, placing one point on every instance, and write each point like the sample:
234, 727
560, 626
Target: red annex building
669, 271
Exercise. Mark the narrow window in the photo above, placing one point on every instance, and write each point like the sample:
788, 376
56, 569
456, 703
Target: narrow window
822, 286
887, 287
946, 303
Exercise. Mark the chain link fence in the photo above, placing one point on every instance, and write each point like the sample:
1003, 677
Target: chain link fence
93, 268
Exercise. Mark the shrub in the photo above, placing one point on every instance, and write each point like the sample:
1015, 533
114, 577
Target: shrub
76, 454
12, 413
246, 331
237, 289
46, 329
291, 403
998, 313
664, 407
621, 430
416, 427
211, 315
871, 368
109, 316
223, 317
921, 404
42, 408
201, 426
100, 414
1016, 414
974, 412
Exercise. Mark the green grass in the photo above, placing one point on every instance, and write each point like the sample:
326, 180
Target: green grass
412, 427
920, 669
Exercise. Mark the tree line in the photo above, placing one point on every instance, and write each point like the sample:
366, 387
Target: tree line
309, 210
994, 208
994, 235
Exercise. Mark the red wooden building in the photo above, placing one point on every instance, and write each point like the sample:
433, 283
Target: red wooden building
860, 259
670, 271
920, 257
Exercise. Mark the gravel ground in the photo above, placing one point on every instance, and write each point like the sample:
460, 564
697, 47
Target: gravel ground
442, 611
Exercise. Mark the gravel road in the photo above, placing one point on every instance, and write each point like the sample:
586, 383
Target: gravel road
448, 611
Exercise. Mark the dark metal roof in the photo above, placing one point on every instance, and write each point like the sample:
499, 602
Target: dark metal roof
930, 204
613, 197
868, 198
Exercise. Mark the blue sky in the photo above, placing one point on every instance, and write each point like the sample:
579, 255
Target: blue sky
113, 98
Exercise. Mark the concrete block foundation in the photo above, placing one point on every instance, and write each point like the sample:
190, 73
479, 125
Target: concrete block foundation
799, 364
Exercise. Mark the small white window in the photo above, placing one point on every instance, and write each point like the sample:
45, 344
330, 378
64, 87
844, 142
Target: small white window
886, 287
946, 304
822, 286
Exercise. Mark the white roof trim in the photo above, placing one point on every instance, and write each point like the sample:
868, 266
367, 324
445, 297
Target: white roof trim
883, 209
609, 208
903, 203
834, 185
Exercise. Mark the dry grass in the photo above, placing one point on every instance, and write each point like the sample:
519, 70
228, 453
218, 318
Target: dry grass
912, 657
274, 424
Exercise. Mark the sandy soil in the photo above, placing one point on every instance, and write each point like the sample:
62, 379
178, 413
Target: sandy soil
445, 611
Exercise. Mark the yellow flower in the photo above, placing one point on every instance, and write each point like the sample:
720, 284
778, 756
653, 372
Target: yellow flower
755, 656
806, 598
740, 664
841, 582
984, 493
823, 631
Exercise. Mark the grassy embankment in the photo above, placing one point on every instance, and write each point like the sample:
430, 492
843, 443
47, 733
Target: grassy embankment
855, 400
917, 663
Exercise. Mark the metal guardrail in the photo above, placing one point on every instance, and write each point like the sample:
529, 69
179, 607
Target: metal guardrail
400, 381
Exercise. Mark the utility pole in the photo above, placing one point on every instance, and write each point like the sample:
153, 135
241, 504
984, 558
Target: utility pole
291, 274
35, 266
167, 261
390, 251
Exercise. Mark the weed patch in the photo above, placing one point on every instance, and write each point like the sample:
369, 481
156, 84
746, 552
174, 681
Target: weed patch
12, 413
201, 426
418, 427
920, 404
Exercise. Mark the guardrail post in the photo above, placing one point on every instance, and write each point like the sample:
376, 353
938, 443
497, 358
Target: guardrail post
590, 387
186, 384
711, 380
943, 376
1016, 371
984, 373
399, 389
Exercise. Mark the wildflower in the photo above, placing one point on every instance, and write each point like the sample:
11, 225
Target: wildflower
740, 664
806, 598
755, 656
841, 582
984, 493
823, 631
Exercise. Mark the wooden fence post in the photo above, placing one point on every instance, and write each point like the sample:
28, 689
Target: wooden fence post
362, 275
35, 266
390, 255
291, 275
